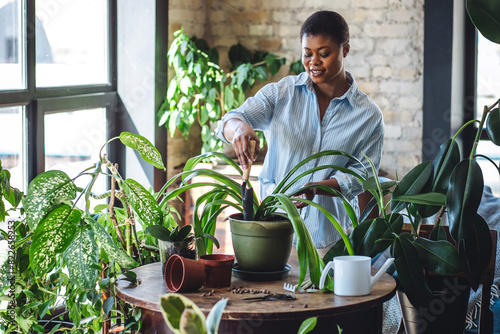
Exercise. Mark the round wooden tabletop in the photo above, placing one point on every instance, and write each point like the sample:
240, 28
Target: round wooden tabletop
147, 294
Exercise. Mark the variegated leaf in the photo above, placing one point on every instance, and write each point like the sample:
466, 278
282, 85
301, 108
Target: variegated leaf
106, 243
52, 236
147, 151
80, 255
143, 203
45, 192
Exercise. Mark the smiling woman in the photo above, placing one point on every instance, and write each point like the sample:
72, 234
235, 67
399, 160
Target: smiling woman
321, 109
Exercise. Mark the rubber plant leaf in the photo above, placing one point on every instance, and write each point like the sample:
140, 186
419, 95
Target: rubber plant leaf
485, 15
438, 233
463, 198
493, 126
440, 256
409, 271
173, 305
143, 202
475, 251
52, 236
415, 182
191, 323
337, 250
45, 192
215, 315
307, 325
147, 151
106, 243
81, 256
443, 165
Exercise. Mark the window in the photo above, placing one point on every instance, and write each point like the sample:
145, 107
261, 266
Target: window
57, 80
487, 90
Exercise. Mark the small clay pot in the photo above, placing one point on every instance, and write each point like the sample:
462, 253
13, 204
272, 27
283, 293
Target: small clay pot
218, 269
183, 274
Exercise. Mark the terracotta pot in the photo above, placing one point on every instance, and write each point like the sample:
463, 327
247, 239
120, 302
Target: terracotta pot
183, 274
218, 268
261, 246
186, 248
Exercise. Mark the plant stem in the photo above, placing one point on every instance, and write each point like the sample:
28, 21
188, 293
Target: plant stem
480, 128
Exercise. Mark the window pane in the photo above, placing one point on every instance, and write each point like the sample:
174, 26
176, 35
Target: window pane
72, 42
72, 143
11, 45
12, 144
490, 173
488, 73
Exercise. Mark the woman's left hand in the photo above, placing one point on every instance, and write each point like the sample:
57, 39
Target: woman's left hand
307, 194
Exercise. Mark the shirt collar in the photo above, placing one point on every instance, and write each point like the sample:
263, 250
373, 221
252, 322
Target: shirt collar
303, 79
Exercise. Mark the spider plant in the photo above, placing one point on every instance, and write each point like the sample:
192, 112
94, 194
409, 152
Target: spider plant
225, 192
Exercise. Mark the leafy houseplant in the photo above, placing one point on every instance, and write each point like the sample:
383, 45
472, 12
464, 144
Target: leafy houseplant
75, 255
202, 92
226, 192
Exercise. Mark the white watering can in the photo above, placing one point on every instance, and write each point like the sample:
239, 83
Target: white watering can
352, 274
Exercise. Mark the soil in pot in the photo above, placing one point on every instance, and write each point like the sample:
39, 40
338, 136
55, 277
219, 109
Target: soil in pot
445, 313
185, 248
218, 268
261, 246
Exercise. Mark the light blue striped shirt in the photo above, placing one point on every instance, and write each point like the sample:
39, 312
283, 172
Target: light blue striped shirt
288, 113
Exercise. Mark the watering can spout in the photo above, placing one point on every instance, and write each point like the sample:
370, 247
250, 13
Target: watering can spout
377, 276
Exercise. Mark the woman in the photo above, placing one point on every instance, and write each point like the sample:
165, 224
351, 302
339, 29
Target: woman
321, 109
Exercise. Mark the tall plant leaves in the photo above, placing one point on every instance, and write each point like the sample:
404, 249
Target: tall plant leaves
147, 151
415, 182
143, 202
45, 192
80, 256
463, 198
440, 257
493, 126
410, 273
52, 236
106, 243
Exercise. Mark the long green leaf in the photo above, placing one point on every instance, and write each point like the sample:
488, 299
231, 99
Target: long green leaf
426, 199
147, 151
81, 256
106, 243
463, 198
143, 203
52, 236
415, 182
46, 192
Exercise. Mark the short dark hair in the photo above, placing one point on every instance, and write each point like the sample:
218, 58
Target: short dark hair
326, 23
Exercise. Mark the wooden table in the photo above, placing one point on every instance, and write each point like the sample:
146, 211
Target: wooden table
352, 314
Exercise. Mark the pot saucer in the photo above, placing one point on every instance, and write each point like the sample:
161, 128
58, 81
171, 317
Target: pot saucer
261, 275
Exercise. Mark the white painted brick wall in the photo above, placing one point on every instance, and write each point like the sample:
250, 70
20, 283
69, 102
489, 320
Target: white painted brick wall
386, 56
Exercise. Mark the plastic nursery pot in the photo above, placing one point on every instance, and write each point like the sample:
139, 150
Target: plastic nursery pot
183, 274
185, 248
261, 246
218, 268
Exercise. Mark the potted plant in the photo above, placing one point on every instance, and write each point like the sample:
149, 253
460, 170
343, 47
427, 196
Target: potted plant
79, 252
226, 192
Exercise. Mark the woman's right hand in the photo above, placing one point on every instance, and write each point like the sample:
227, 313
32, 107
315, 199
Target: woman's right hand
242, 134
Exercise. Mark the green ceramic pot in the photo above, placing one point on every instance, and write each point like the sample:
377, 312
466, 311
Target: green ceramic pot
261, 246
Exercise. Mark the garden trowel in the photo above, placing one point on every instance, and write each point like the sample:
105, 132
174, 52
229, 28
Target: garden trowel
247, 193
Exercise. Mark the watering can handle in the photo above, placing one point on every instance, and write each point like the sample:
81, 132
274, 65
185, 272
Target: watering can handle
246, 172
325, 271
382, 270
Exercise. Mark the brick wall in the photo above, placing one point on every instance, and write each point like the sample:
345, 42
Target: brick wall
386, 56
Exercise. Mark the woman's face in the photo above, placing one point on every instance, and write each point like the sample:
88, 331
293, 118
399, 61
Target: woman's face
323, 59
